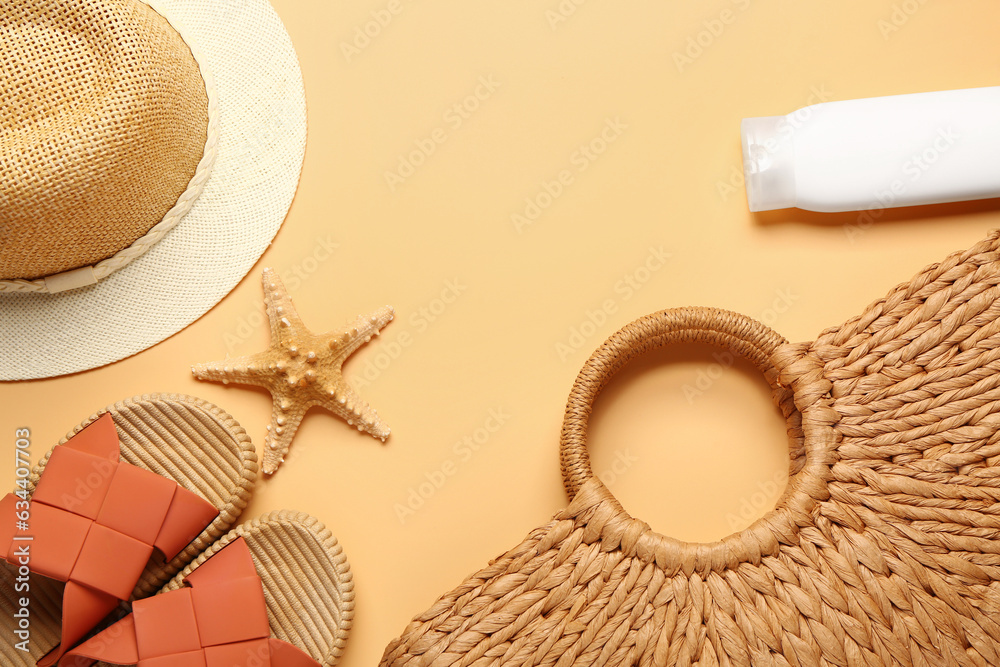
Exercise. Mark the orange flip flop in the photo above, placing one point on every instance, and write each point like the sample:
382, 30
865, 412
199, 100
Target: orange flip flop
284, 572
130, 497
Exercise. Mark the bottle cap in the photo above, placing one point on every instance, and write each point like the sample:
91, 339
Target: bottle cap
768, 163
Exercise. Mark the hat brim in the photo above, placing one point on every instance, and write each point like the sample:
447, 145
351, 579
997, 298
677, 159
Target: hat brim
262, 116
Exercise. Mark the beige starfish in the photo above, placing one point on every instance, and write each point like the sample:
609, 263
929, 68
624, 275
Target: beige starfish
301, 369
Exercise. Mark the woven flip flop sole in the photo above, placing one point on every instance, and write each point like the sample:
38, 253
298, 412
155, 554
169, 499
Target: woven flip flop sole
307, 580
178, 437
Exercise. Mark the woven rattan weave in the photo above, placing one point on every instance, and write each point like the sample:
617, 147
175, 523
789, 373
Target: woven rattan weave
884, 549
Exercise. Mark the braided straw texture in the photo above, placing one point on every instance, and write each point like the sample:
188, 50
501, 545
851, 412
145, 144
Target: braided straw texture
256, 168
884, 549
307, 580
104, 141
179, 437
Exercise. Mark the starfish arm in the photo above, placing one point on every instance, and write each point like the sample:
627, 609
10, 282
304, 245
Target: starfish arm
344, 402
301, 369
345, 341
286, 415
284, 319
251, 369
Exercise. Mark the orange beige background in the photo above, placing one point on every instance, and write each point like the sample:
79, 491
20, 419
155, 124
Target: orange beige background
620, 122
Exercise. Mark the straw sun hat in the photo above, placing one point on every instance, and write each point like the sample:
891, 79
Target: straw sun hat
149, 151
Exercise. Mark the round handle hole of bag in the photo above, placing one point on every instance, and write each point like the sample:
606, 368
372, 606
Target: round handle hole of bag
688, 437
765, 349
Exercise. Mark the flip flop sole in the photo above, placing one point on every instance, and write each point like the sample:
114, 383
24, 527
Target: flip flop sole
179, 437
307, 580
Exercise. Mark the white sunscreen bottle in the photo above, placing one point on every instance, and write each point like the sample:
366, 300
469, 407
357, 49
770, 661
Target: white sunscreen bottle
880, 152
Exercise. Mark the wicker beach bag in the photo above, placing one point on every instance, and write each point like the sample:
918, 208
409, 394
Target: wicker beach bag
884, 549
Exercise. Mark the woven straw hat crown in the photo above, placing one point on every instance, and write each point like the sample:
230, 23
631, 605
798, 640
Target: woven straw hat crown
149, 153
104, 137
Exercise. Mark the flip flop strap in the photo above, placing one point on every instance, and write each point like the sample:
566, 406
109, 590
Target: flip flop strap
93, 522
219, 619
